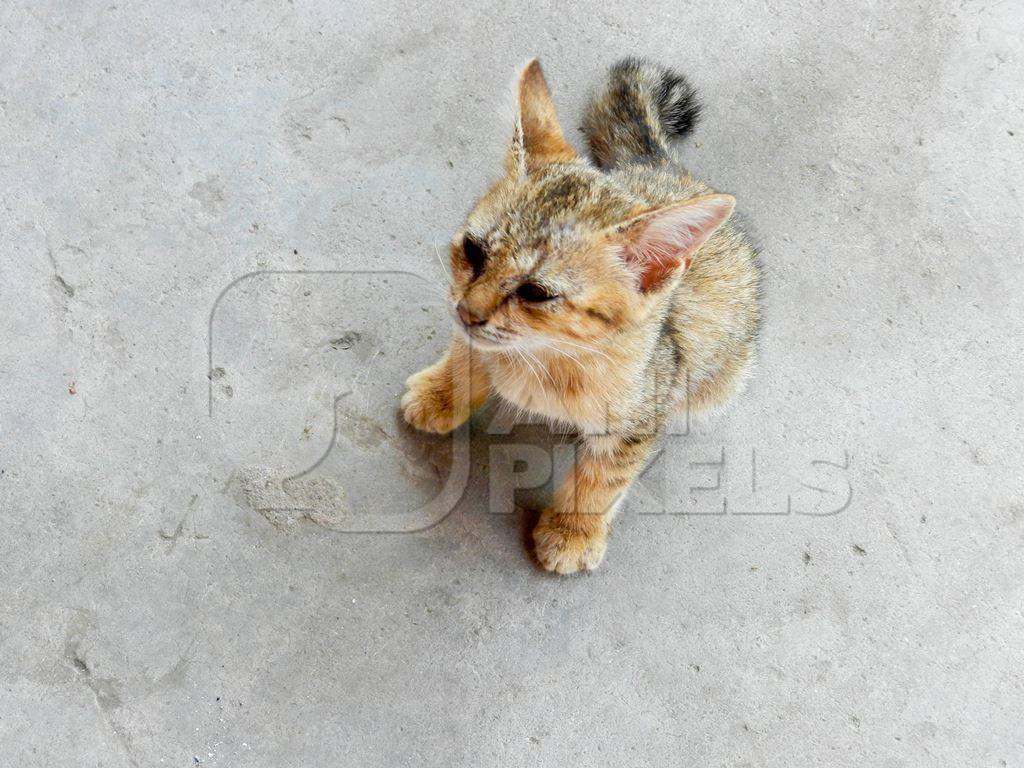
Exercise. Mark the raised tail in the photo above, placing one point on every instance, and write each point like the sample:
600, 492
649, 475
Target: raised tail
641, 108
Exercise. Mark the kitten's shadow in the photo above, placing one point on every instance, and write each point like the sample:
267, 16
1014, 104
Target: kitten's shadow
490, 430
527, 519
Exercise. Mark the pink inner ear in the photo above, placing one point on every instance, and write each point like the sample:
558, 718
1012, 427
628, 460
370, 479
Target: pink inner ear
667, 239
654, 271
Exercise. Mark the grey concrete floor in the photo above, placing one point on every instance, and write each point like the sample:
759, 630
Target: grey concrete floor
170, 598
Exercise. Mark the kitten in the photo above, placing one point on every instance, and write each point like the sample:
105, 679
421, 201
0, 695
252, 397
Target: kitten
601, 293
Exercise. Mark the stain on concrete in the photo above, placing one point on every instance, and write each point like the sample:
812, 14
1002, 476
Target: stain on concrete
286, 502
347, 340
181, 532
65, 287
218, 375
210, 194
177, 675
359, 429
69, 290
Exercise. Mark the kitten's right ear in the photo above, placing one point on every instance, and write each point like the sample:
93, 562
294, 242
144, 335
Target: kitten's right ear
660, 244
537, 138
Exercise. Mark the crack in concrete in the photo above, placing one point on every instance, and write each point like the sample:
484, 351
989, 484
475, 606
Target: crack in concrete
105, 690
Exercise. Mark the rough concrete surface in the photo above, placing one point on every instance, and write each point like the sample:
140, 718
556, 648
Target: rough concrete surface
197, 403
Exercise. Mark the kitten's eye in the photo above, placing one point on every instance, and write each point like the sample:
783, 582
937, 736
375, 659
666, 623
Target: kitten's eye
533, 292
475, 254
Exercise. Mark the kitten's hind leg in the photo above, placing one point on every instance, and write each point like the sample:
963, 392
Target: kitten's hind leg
572, 535
442, 396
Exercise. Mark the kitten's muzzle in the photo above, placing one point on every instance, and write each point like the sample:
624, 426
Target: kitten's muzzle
468, 317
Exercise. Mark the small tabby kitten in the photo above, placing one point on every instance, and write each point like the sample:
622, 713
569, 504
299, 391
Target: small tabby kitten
603, 293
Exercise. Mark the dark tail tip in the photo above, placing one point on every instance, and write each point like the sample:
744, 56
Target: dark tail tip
677, 104
674, 96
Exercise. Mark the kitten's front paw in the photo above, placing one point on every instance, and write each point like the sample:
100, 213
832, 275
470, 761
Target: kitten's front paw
427, 402
565, 549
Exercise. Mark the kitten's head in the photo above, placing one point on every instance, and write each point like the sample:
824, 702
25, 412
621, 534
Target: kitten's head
556, 252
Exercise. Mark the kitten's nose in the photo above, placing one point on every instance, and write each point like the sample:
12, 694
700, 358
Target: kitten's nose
468, 316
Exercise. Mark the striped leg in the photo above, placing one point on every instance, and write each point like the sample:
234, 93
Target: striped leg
573, 533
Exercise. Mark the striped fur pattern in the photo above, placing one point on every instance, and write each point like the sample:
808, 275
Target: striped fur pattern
603, 293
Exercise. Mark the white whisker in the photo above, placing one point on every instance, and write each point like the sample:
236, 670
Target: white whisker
528, 365
440, 260
540, 364
584, 347
547, 347
438, 288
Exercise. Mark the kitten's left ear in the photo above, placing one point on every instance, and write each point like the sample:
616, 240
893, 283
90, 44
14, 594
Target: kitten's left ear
660, 244
537, 138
